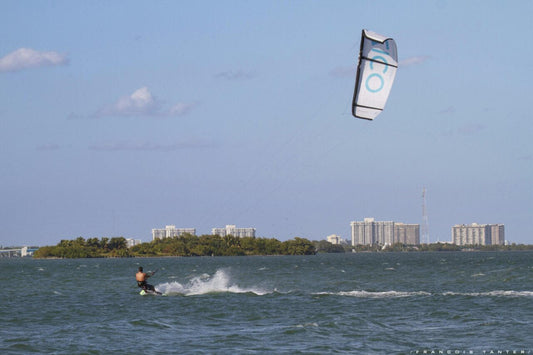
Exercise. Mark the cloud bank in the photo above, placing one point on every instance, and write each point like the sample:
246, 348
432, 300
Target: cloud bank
25, 58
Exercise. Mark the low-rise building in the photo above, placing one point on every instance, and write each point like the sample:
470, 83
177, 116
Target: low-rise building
132, 242
335, 239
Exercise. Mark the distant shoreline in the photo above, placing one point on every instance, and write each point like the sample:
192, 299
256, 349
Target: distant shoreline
278, 255
213, 245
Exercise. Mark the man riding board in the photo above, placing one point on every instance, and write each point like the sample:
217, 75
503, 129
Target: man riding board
141, 278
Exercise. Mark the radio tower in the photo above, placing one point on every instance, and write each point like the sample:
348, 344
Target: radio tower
425, 231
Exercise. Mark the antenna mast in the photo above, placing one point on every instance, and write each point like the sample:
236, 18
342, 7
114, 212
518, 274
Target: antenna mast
425, 230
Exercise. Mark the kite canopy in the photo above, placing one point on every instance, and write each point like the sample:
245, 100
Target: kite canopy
378, 62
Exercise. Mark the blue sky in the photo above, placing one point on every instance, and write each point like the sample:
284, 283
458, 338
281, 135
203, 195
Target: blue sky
120, 117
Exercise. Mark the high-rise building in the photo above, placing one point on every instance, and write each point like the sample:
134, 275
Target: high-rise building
370, 232
232, 230
407, 233
171, 231
478, 234
497, 234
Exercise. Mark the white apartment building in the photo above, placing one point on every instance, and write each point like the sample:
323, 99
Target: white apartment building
370, 232
234, 231
171, 231
497, 232
132, 242
478, 234
334, 239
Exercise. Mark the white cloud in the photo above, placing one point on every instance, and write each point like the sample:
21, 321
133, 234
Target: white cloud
413, 60
342, 72
470, 129
448, 110
467, 129
48, 147
234, 75
24, 58
180, 109
150, 147
142, 103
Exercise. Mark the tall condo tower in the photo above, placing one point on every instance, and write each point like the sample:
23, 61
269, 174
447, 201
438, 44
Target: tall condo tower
425, 229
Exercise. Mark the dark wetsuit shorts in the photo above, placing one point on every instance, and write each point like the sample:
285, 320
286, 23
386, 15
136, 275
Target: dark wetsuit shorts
145, 286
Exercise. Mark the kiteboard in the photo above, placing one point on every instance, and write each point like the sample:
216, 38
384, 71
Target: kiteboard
150, 292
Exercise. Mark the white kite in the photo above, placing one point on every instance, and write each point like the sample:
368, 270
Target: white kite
378, 62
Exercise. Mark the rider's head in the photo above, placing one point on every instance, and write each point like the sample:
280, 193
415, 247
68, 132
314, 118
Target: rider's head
140, 268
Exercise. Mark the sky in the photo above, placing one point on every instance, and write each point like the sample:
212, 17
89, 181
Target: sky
120, 117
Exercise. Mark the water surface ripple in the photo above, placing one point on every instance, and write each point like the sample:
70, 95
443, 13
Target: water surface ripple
399, 303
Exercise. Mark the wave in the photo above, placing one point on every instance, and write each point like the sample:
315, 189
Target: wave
400, 294
380, 294
199, 285
305, 325
496, 293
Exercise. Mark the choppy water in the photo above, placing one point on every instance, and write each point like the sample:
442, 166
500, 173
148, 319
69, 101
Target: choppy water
354, 303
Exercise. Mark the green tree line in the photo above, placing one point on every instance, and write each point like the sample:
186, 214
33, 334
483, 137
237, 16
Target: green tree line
214, 245
185, 245
90, 248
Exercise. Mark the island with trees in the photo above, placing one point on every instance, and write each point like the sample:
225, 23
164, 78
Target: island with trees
214, 245
185, 245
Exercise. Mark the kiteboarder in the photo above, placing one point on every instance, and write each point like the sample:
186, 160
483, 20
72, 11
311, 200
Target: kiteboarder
141, 277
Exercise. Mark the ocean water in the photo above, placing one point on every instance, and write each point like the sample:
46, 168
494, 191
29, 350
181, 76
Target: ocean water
364, 303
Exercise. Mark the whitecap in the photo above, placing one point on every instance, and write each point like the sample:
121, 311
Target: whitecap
495, 293
314, 324
377, 294
204, 284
